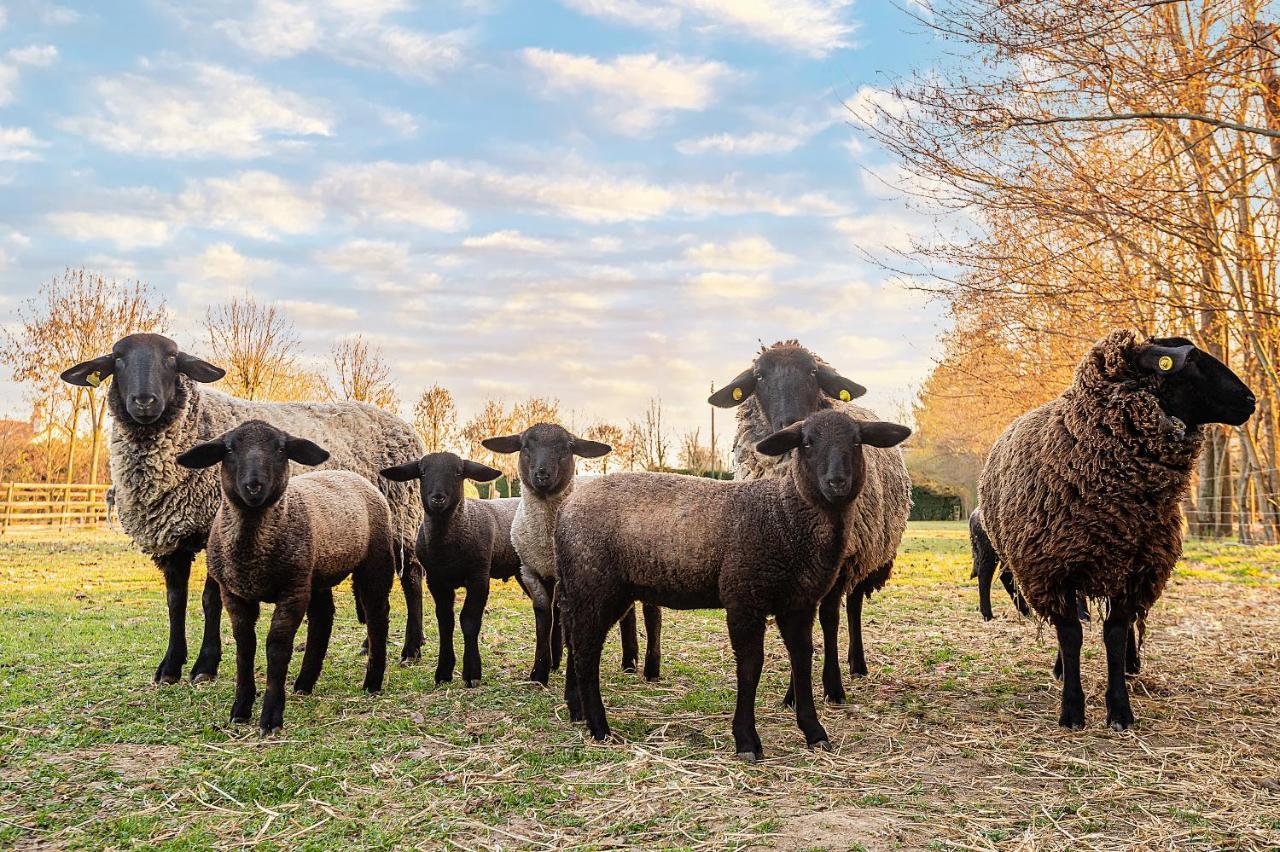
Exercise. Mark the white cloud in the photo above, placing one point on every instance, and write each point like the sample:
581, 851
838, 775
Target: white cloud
403, 123
18, 144
4, 17
59, 16
320, 314
8, 82
879, 231
221, 263
606, 244
34, 55
197, 110
511, 241
746, 253
728, 285
391, 192
126, 230
812, 27
355, 33
367, 257
256, 204
758, 142
869, 105
632, 92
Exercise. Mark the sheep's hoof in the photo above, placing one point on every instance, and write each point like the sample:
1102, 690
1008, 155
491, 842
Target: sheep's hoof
239, 720
1070, 723
821, 745
166, 680
440, 680
837, 700
203, 677
301, 690
270, 732
471, 684
653, 678
629, 668
748, 756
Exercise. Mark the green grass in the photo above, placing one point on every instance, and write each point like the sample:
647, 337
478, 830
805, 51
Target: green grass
951, 739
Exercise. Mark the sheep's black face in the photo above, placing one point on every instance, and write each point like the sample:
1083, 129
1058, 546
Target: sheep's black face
255, 460
1194, 386
829, 463
789, 384
546, 456
440, 479
145, 368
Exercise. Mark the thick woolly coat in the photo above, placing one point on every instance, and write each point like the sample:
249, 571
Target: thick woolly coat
876, 525
1082, 493
472, 541
163, 506
325, 524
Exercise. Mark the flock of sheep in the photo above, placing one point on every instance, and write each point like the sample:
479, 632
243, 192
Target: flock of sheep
1078, 501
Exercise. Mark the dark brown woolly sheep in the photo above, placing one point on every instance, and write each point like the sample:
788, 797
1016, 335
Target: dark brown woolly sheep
289, 541
757, 548
462, 544
785, 384
1080, 497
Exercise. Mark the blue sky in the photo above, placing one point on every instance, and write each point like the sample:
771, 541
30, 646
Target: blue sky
594, 200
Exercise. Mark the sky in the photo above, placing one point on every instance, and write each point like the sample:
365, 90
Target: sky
598, 201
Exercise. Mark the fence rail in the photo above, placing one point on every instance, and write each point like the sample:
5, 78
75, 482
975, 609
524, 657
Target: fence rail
52, 503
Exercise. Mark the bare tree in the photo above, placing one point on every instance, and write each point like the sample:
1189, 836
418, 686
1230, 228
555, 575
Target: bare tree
363, 374
695, 457
606, 433
649, 437
258, 347
493, 419
436, 418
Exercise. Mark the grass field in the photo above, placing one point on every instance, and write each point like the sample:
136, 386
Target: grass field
951, 742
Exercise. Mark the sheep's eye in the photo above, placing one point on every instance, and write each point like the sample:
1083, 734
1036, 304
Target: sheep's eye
759, 377
808, 445
814, 371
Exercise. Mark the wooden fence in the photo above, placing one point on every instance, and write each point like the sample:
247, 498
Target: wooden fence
52, 504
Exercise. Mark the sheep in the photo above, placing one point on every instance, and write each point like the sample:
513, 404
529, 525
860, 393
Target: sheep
461, 545
754, 548
158, 407
289, 541
785, 384
1080, 496
546, 480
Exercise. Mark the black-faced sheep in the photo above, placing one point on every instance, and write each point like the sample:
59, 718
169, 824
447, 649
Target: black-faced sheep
1080, 497
756, 548
158, 409
461, 544
546, 463
785, 384
289, 541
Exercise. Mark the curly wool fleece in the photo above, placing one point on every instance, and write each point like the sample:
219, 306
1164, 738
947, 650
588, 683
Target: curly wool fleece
1083, 492
878, 517
163, 506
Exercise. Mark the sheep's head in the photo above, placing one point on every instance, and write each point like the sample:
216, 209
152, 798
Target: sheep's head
145, 370
1192, 385
440, 479
255, 460
829, 467
546, 455
789, 383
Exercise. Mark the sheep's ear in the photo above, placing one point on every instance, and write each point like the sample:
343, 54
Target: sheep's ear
782, 440
590, 449
305, 452
876, 433
737, 391
402, 472
198, 369
480, 472
204, 455
1155, 358
502, 444
90, 374
837, 386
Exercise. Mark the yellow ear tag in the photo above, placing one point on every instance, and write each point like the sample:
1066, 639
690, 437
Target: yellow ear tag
1166, 363
845, 396
94, 379
737, 393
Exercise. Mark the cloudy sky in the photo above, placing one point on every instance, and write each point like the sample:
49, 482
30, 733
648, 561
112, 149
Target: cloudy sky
594, 200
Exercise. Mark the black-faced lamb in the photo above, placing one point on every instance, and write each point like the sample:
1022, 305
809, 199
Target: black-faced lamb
547, 452
1080, 497
158, 408
757, 548
289, 541
461, 544
786, 383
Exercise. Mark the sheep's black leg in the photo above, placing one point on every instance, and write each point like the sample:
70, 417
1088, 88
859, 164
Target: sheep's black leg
284, 628
360, 615
373, 585
627, 632
472, 612
572, 695
853, 611
1082, 608
319, 629
653, 642
177, 572
984, 564
588, 627
1006, 580
746, 634
1133, 649
206, 667
1115, 635
1069, 638
443, 597
540, 592
556, 634
797, 634
244, 619
411, 582
832, 679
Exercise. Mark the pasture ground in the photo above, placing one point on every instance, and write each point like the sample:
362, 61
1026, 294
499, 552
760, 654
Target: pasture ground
951, 742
